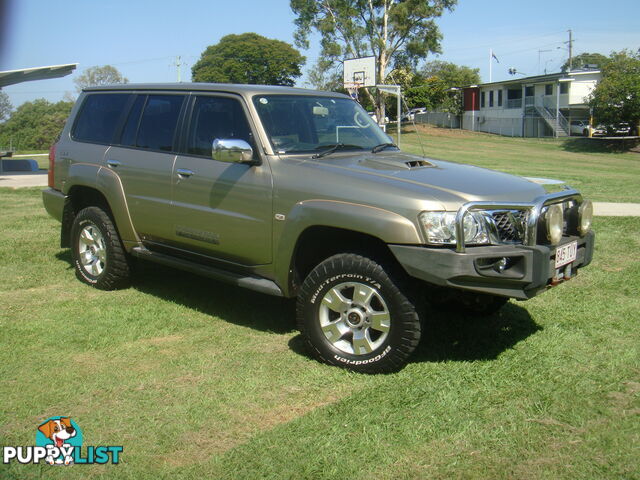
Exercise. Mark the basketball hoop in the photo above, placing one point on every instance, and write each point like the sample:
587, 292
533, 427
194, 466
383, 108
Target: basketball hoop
352, 88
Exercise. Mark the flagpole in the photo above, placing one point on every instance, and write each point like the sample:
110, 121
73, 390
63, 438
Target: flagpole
490, 64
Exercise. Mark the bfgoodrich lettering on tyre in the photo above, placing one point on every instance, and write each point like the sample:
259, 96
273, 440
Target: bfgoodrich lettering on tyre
353, 313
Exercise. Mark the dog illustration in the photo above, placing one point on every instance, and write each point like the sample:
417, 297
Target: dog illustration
58, 431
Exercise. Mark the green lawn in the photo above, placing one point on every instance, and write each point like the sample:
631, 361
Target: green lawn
600, 175
201, 380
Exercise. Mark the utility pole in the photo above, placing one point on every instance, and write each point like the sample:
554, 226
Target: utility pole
178, 64
570, 50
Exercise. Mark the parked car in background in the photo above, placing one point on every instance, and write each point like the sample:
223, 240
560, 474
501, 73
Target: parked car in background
410, 116
375, 118
622, 129
578, 127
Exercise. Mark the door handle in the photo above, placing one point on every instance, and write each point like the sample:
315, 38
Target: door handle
113, 163
183, 172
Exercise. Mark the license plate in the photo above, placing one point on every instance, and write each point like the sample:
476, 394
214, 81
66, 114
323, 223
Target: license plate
566, 254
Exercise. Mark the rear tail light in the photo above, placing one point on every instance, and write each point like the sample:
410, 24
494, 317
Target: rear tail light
52, 163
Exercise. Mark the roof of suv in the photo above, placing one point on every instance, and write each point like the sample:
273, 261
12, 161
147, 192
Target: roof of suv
217, 87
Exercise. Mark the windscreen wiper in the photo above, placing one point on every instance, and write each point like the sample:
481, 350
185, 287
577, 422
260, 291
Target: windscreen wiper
333, 148
383, 146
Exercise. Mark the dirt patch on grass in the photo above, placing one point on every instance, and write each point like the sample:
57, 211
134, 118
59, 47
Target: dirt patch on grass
159, 340
221, 435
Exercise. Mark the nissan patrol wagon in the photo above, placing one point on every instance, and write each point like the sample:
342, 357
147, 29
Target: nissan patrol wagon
298, 193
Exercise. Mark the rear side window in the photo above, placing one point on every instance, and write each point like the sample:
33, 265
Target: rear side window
99, 116
133, 121
158, 123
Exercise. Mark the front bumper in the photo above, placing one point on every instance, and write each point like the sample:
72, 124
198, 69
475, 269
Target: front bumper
531, 268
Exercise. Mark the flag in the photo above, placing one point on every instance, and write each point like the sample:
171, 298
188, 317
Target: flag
493, 55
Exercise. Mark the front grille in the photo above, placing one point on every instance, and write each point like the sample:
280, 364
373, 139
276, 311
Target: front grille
510, 225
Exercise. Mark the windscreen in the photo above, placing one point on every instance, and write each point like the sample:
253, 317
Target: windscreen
300, 124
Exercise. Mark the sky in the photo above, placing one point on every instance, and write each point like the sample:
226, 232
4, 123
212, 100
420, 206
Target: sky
143, 38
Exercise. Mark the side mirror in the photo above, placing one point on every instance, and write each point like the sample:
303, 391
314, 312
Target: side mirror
231, 150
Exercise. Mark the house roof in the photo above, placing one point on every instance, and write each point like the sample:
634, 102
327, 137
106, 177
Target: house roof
536, 78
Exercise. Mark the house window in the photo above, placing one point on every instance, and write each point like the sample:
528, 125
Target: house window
499, 98
491, 98
482, 99
564, 87
548, 89
529, 91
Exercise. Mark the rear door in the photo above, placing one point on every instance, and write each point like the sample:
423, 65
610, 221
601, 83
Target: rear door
221, 209
144, 160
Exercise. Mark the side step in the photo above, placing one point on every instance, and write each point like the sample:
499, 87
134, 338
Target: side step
257, 284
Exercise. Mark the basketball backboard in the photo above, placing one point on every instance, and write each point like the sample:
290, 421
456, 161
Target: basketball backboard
360, 71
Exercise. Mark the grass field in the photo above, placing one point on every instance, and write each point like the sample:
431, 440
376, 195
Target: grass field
600, 175
200, 380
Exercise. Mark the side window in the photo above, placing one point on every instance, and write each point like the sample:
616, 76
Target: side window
216, 117
158, 123
482, 99
99, 117
499, 98
548, 89
491, 98
130, 130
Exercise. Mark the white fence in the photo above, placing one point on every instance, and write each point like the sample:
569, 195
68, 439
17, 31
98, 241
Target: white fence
439, 119
510, 127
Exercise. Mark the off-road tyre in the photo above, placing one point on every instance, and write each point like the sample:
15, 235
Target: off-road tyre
392, 293
105, 267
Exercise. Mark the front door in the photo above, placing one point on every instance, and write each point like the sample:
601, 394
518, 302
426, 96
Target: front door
222, 210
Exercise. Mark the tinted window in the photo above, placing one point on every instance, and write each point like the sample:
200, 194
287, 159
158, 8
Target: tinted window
216, 117
99, 117
133, 120
158, 123
306, 123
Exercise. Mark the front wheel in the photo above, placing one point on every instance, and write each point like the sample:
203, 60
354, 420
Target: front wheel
357, 315
98, 255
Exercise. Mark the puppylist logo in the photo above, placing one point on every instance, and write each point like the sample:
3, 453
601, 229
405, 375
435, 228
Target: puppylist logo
59, 442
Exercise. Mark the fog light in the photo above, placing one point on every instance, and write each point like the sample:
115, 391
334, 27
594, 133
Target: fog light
585, 214
555, 221
500, 265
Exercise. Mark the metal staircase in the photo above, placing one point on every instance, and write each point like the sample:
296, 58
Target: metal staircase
558, 123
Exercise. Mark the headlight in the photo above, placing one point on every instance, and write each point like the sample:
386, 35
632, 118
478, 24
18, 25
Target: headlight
440, 228
585, 217
555, 223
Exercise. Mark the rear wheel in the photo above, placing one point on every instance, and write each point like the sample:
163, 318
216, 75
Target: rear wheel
357, 315
98, 255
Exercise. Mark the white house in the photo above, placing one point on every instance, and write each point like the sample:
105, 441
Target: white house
540, 106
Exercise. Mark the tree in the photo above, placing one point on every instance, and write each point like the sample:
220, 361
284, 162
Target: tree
5, 106
35, 125
440, 86
617, 96
94, 76
450, 74
325, 76
584, 59
249, 58
392, 31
